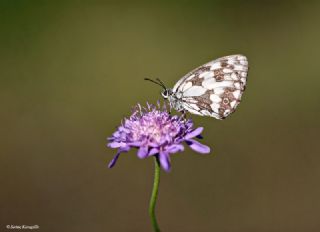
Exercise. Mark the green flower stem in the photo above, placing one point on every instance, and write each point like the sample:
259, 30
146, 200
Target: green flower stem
154, 195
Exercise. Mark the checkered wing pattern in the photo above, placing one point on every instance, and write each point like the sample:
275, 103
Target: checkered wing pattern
214, 89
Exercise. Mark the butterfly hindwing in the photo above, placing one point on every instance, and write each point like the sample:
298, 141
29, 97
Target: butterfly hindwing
214, 89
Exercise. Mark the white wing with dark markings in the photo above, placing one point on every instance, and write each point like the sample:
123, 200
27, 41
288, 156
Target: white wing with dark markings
213, 89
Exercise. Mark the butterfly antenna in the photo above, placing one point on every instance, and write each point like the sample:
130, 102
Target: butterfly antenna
158, 82
163, 85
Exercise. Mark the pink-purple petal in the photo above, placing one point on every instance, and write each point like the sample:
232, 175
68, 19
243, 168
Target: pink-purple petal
153, 151
114, 160
199, 137
175, 148
116, 144
198, 147
134, 144
165, 161
194, 133
143, 152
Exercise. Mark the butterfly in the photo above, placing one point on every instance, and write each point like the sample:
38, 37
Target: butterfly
213, 89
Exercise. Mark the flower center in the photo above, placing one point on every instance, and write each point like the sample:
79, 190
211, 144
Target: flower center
153, 129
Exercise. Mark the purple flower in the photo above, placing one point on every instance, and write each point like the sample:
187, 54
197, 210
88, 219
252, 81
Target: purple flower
155, 132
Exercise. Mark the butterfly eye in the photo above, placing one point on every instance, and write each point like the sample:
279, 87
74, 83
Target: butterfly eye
165, 93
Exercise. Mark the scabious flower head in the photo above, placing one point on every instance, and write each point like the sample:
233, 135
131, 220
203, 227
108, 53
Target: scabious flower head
154, 132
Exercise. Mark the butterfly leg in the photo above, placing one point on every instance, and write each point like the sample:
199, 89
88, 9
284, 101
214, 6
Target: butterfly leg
170, 108
184, 114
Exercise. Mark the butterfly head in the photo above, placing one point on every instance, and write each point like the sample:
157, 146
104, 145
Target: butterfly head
166, 93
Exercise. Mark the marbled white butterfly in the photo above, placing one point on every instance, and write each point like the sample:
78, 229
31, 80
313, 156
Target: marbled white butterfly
213, 89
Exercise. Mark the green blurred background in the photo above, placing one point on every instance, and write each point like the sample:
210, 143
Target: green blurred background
70, 71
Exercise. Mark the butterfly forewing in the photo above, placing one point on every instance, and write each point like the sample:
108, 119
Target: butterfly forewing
214, 89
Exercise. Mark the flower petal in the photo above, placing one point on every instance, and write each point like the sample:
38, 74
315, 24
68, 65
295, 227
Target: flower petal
175, 148
165, 161
134, 144
198, 147
153, 151
153, 144
115, 158
115, 144
143, 152
199, 136
194, 133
